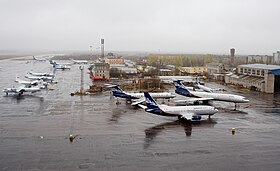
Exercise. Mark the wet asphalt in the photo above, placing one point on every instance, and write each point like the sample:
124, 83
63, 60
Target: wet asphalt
34, 130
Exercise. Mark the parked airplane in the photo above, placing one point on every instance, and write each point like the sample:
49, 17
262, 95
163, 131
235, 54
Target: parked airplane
41, 74
118, 92
182, 90
59, 66
79, 61
27, 83
208, 89
204, 88
20, 90
189, 113
52, 62
43, 78
41, 60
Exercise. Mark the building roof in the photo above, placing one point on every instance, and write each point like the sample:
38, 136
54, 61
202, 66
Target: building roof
247, 78
117, 65
114, 57
212, 64
261, 66
165, 70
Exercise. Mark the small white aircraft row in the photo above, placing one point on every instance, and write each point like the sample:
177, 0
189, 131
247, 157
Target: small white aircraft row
37, 82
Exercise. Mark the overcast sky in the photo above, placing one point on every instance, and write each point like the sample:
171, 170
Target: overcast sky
182, 26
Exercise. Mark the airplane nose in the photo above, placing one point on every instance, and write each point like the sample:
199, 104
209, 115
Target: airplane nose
216, 110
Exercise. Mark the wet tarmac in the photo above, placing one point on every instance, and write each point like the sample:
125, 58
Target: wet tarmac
34, 131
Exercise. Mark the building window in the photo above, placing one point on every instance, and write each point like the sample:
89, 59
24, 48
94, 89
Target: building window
258, 72
262, 71
245, 71
253, 71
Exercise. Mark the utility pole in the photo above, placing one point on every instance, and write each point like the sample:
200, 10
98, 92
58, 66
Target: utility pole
82, 79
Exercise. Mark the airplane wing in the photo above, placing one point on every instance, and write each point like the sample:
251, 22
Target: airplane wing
187, 116
110, 85
20, 88
142, 106
138, 101
192, 100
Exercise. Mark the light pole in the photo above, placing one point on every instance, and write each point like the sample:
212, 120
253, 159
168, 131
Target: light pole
91, 54
82, 79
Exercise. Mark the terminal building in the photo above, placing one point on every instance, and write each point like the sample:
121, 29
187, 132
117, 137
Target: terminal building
100, 71
260, 77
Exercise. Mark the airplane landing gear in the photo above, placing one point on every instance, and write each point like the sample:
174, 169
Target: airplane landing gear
236, 106
118, 102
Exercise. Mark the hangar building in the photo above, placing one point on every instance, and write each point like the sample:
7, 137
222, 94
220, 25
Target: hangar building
260, 77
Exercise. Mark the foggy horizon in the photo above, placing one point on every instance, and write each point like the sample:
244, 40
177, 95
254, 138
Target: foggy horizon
186, 27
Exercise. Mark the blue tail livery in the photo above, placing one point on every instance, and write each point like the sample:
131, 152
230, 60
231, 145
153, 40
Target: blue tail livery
152, 105
181, 89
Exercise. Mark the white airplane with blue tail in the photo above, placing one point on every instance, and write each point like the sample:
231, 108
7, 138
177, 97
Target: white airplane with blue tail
189, 113
207, 96
139, 97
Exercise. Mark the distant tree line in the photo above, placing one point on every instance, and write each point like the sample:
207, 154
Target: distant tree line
179, 60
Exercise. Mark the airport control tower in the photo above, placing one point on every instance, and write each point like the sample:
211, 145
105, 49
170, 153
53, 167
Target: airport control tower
102, 48
232, 53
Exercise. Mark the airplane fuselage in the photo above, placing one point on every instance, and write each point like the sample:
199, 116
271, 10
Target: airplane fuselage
141, 95
221, 97
44, 78
41, 74
199, 110
20, 91
79, 61
31, 89
180, 89
62, 67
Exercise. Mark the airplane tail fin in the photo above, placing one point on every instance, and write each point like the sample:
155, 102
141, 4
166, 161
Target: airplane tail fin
34, 58
17, 79
118, 92
52, 62
180, 88
151, 103
197, 80
116, 89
